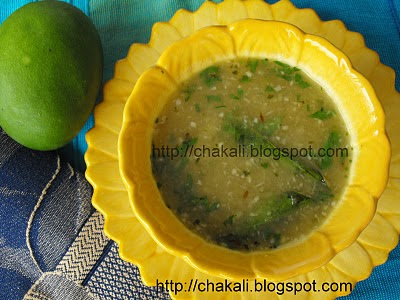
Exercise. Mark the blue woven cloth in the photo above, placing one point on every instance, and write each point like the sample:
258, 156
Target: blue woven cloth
72, 257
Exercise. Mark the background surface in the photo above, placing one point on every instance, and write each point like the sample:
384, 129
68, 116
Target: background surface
123, 22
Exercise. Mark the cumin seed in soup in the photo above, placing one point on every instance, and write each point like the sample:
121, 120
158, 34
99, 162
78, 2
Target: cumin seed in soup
240, 198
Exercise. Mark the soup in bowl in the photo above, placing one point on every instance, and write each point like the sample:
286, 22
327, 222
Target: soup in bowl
249, 150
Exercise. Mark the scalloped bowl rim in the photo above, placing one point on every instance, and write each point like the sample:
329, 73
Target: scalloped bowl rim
213, 265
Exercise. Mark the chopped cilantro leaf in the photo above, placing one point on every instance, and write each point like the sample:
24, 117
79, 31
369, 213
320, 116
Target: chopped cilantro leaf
229, 220
188, 92
273, 125
239, 95
283, 65
205, 203
214, 98
186, 144
322, 114
285, 71
300, 81
269, 89
211, 76
252, 64
246, 173
213, 206
245, 78
284, 76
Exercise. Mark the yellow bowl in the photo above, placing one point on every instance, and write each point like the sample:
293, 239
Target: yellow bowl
329, 67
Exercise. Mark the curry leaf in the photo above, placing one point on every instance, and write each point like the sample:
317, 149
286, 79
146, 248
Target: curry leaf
331, 143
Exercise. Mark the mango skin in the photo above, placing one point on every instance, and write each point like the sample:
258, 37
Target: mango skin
51, 65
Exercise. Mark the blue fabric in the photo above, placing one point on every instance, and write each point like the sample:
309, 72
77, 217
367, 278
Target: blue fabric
129, 287
121, 23
55, 224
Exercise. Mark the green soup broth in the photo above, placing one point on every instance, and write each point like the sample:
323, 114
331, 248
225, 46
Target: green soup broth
250, 201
